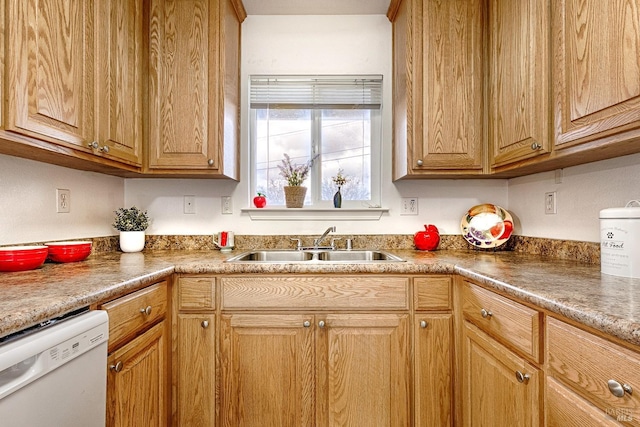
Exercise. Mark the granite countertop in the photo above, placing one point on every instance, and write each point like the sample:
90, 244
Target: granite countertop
573, 289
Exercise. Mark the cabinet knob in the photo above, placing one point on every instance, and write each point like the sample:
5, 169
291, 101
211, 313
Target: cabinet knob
321, 324
306, 323
104, 148
486, 313
618, 390
535, 146
522, 378
424, 324
419, 162
117, 367
210, 162
146, 310
93, 144
205, 324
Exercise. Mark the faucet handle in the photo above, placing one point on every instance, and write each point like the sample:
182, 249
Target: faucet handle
299, 244
333, 242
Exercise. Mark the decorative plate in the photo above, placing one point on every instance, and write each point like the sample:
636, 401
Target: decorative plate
486, 226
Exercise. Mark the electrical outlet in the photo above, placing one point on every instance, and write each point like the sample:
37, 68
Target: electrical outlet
227, 208
63, 200
550, 206
189, 204
409, 206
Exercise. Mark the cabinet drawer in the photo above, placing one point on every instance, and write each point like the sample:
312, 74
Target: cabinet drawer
432, 293
565, 408
196, 293
509, 322
586, 363
315, 292
134, 312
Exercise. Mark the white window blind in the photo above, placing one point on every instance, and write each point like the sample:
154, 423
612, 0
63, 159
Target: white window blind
316, 92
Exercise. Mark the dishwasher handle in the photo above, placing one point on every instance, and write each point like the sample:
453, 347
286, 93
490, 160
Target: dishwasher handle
22, 373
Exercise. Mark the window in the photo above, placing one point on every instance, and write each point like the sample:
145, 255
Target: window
336, 118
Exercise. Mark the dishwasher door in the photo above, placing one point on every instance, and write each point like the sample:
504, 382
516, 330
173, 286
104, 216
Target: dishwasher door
57, 376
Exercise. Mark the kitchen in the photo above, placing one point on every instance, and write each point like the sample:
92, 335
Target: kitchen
28, 187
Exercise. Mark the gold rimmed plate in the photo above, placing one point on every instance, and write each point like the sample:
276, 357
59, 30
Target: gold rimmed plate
486, 226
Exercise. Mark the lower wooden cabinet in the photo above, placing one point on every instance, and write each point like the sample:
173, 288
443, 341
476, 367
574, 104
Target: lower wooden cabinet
194, 352
499, 387
322, 369
433, 351
195, 380
603, 376
433, 378
268, 373
564, 408
138, 384
136, 381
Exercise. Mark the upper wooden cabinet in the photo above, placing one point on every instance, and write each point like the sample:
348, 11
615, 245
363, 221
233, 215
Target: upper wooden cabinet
518, 80
596, 72
50, 62
119, 79
74, 78
438, 87
194, 87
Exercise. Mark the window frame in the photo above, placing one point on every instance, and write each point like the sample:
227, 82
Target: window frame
376, 147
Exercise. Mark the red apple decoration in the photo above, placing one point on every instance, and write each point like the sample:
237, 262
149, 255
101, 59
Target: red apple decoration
260, 201
427, 240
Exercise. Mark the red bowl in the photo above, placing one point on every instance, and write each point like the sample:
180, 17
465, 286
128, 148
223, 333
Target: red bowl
21, 258
68, 251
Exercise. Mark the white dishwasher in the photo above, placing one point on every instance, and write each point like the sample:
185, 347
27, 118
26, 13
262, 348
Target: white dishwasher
56, 374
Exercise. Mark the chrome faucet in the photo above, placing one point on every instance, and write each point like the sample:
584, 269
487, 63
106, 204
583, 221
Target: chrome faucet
316, 242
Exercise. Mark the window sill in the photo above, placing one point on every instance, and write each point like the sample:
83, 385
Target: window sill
311, 214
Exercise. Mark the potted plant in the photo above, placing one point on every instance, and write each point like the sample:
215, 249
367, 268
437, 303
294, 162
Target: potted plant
131, 223
295, 175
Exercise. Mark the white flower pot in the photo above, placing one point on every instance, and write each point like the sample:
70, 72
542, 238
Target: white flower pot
132, 241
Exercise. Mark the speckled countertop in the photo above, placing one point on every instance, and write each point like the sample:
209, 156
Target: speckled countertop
574, 289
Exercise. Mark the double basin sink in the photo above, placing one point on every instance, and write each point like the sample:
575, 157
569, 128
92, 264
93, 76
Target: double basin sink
323, 256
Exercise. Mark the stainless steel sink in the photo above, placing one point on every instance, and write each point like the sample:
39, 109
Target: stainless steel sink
323, 256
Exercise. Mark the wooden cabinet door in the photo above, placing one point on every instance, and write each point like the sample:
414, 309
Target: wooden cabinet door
267, 370
363, 367
50, 69
438, 87
433, 372
182, 93
452, 136
564, 408
518, 80
119, 66
194, 86
196, 370
596, 72
492, 393
136, 381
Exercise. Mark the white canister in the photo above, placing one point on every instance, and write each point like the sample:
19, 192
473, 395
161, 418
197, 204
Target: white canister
620, 241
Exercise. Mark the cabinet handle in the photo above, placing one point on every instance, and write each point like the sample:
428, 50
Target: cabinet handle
205, 324
321, 324
420, 162
424, 324
618, 390
306, 323
104, 149
146, 311
117, 367
210, 162
93, 144
486, 314
522, 378
535, 146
